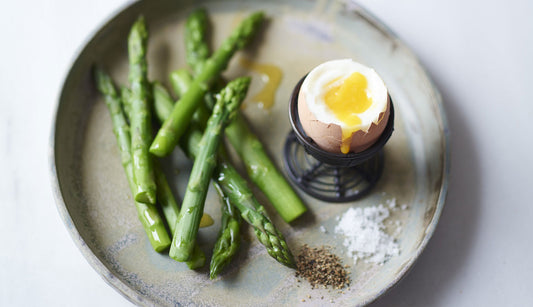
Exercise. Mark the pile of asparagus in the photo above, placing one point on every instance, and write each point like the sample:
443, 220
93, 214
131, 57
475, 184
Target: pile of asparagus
197, 123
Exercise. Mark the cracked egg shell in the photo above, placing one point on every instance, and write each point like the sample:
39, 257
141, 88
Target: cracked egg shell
328, 135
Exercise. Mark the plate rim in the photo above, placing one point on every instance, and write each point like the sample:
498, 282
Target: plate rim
130, 294
117, 284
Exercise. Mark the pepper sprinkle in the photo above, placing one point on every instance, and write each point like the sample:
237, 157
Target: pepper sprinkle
320, 267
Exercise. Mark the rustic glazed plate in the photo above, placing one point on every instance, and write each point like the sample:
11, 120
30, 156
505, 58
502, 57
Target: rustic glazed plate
92, 192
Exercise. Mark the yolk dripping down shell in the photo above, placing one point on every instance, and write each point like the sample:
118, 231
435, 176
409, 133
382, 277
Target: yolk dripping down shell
347, 101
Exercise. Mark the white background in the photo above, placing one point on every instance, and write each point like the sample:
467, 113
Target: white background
480, 55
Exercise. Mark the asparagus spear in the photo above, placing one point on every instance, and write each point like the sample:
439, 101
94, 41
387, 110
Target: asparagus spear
164, 195
227, 105
234, 185
165, 198
263, 172
181, 80
196, 49
260, 168
172, 129
197, 259
125, 95
224, 175
140, 120
229, 239
147, 214
161, 94
171, 210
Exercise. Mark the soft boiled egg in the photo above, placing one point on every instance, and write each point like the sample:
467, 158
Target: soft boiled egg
343, 106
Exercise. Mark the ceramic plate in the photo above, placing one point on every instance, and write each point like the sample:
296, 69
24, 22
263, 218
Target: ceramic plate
92, 192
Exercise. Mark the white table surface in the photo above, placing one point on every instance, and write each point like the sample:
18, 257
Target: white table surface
480, 55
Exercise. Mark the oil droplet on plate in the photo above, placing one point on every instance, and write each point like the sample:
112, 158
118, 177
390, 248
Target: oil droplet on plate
270, 76
206, 220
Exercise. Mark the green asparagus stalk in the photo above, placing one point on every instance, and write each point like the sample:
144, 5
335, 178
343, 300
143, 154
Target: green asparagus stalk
227, 105
125, 94
229, 239
140, 120
161, 94
235, 187
171, 210
174, 127
263, 172
225, 174
148, 214
181, 80
163, 104
196, 49
197, 259
165, 198
259, 166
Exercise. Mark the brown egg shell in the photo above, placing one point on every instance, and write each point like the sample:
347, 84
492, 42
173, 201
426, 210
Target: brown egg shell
329, 136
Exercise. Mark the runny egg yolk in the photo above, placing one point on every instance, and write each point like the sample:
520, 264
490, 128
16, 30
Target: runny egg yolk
346, 101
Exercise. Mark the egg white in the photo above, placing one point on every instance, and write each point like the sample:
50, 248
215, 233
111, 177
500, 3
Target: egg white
320, 80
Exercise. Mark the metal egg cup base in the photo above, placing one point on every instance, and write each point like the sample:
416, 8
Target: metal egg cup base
327, 182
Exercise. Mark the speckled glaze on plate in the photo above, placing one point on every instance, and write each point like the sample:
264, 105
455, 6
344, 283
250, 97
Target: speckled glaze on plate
92, 192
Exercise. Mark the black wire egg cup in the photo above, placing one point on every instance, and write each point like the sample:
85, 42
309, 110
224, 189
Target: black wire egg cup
329, 176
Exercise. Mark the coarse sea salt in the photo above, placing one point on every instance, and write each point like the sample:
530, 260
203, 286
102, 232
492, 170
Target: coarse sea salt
391, 203
364, 235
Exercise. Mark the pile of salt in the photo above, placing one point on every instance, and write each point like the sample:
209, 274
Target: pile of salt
364, 233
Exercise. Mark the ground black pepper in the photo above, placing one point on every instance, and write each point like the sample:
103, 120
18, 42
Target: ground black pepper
320, 267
